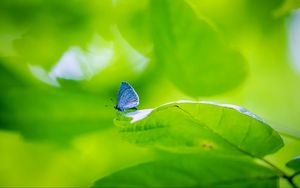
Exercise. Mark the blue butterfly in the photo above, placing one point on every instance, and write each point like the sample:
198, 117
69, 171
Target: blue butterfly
127, 97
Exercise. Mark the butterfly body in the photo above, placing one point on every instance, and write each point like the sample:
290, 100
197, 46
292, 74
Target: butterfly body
127, 97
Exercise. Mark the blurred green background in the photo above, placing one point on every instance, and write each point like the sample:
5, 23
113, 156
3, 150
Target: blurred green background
61, 64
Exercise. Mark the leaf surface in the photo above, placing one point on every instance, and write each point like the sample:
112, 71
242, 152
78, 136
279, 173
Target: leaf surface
204, 144
200, 126
193, 49
294, 163
193, 171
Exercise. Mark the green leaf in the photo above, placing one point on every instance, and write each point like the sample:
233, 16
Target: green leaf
287, 6
187, 126
53, 114
191, 51
294, 163
208, 144
252, 14
193, 171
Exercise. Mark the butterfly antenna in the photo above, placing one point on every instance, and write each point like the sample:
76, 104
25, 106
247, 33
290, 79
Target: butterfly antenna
111, 104
112, 101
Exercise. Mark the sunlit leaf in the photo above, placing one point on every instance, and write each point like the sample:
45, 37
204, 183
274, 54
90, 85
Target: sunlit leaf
191, 51
200, 126
225, 141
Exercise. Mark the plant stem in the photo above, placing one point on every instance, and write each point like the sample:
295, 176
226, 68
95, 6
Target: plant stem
290, 180
283, 174
295, 174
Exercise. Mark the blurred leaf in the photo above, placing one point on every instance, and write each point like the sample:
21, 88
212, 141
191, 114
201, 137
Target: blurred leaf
287, 6
36, 163
133, 20
254, 16
8, 78
48, 28
192, 52
54, 114
294, 163
193, 171
110, 41
54, 27
200, 126
263, 18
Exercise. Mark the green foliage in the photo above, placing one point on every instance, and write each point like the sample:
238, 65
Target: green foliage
61, 118
215, 132
189, 46
193, 171
287, 6
294, 164
185, 126
61, 63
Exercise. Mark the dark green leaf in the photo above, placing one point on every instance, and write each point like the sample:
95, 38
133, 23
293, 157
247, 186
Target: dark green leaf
294, 163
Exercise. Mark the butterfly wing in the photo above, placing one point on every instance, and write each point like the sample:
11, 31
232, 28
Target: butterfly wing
127, 97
